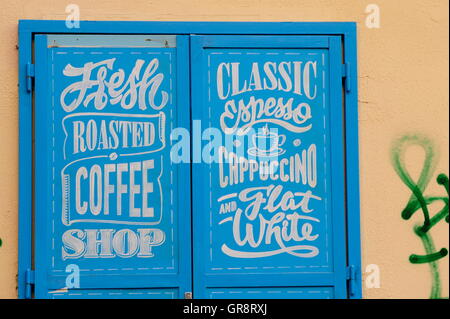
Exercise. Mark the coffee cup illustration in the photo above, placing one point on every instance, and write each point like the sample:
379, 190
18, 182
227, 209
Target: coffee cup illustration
267, 144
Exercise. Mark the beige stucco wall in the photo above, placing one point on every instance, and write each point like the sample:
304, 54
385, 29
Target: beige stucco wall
403, 88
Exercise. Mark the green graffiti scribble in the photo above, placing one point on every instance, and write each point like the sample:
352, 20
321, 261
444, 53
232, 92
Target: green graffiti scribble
418, 201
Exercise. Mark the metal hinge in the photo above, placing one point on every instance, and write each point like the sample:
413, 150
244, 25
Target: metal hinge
346, 74
30, 76
188, 295
29, 283
351, 278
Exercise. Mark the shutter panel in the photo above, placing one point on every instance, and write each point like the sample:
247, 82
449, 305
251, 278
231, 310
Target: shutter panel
269, 213
109, 202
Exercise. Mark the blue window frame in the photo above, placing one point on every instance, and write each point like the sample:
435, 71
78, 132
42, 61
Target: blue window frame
336, 42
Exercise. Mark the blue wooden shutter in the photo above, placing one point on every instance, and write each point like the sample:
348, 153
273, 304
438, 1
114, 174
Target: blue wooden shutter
108, 200
253, 235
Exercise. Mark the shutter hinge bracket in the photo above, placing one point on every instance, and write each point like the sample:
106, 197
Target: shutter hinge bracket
351, 278
346, 75
29, 283
30, 76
